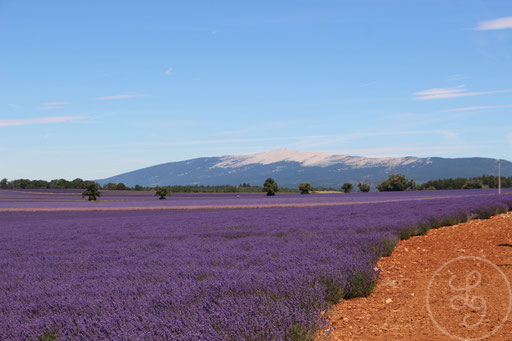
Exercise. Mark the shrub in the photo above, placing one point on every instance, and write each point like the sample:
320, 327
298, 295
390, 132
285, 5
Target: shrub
484, 213
500, 209
162, 192
388, 246
92, 192
405, 233
396, 182
449, 221
364, 187
422, 229
361, 285
462, 217
334, 291
347, 187
270, 186
305, 188
435, 222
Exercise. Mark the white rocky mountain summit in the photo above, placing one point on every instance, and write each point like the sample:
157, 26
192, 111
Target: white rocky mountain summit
314, 158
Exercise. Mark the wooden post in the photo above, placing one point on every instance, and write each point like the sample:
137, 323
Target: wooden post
499, 176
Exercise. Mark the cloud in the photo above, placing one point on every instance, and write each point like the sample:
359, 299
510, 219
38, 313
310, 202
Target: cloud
495, 24
448, 134
483, 107
52, 107
41, 120
120, 97
458, 91
168, 72
54, 103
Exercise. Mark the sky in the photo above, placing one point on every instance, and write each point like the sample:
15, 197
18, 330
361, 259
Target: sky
91, 89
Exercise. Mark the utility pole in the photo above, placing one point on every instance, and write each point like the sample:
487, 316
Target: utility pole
499, 176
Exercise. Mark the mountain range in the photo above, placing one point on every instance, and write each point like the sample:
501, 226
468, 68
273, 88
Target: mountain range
290, 168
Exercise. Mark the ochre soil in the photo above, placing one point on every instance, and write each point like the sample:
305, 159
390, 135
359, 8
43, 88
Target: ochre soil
397, 309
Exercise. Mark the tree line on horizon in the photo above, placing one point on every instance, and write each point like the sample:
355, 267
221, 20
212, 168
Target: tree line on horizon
395, 182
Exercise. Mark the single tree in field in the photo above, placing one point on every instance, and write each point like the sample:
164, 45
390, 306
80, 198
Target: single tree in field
92, 192
364, 187
396, 182
270, 186
305, 188
162, 192
347, 187
4, 184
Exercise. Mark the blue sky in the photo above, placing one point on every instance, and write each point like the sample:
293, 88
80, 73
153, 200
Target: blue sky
95, 88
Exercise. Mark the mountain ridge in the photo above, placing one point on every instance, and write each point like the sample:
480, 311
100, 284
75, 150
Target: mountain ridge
289, 168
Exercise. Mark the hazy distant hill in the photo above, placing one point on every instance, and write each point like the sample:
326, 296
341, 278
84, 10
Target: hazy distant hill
289, 168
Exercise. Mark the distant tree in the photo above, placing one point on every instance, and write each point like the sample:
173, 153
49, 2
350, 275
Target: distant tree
92, 192
121, 187
270, 186
58, 183
396, 182
305, 188
162, 192
4, 184
472, 184
347, 187
77, 183
138, 188
110, 186
364, 187
411, 185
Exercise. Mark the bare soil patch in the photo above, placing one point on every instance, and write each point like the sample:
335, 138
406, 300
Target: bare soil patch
467, 298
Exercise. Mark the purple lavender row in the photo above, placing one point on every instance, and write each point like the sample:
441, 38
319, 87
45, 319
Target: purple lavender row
27, 199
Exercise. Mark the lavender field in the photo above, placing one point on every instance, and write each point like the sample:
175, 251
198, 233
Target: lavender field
202, 274
71, 199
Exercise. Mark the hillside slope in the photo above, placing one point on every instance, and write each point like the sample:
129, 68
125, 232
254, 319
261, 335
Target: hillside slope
289, 168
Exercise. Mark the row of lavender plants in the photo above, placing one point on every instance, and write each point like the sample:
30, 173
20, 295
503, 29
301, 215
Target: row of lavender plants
242, 274
51, 199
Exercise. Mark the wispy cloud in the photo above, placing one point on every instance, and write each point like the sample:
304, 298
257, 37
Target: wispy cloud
12, 105
52, 107
54, 103
495, 24
483, 107
119, 97
458, 91
40, 120
168, 72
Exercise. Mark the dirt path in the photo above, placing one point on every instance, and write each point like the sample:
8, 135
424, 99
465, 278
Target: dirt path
401, 309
